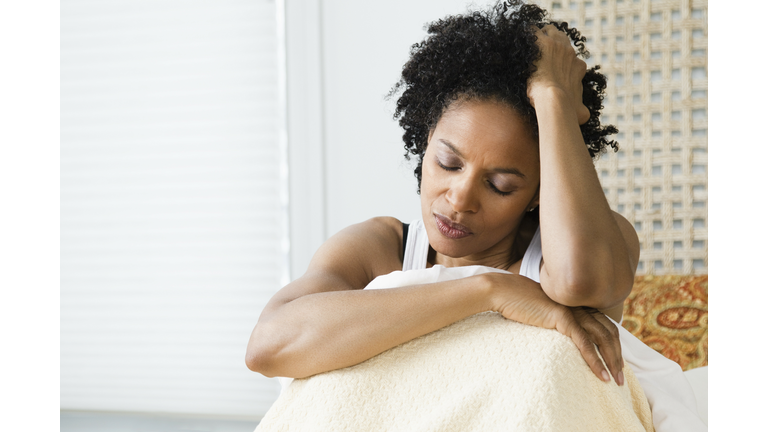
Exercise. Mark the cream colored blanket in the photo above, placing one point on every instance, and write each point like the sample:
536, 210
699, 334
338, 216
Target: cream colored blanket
484, 373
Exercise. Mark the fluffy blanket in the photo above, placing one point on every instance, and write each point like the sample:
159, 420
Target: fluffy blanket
484, 373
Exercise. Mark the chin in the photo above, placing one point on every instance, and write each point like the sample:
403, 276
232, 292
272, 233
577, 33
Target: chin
446, 246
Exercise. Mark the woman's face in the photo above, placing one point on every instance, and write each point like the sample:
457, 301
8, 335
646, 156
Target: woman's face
480, 174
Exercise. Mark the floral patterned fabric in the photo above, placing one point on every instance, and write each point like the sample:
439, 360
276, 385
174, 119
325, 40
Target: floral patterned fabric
669, 314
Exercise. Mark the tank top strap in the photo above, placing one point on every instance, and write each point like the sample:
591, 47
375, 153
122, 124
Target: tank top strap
416, 246
532, 259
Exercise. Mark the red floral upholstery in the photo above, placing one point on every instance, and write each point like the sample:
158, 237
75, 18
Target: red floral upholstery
669, 314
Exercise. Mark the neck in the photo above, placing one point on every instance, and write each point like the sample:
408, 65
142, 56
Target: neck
501, 256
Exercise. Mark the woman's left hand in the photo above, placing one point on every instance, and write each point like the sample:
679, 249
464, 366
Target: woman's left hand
558, 68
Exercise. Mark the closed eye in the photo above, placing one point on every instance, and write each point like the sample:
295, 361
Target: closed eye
496, 190
490, 184
447, 168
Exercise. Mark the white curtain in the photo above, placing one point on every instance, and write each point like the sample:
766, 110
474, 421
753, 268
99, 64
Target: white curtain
172, 217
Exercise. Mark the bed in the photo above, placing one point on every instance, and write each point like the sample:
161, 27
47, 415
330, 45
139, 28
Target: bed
669, 314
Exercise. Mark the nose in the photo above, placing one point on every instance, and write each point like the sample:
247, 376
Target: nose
462, 196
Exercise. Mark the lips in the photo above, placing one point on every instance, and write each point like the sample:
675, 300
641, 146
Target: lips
451, 229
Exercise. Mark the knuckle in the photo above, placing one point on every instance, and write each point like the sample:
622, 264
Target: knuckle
561, 314
604, 334
614, 331
583, 339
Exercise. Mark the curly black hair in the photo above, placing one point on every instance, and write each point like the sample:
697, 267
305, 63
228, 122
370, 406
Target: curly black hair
485, 55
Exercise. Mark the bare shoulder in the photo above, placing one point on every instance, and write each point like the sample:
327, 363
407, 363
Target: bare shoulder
354, 256
349, 260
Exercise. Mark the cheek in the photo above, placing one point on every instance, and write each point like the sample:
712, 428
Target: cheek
425, 190
429, 180
506, 215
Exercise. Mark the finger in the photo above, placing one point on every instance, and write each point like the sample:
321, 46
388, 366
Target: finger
581, 67
605, 335
611, 329
611, 326
608, 347
600, 336
583, 114
590, 354
572, 329
549, 29
554, 32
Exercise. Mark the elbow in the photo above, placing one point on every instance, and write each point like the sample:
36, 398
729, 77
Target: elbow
599, 276
600, 290
261, 355
257, 361
593, 295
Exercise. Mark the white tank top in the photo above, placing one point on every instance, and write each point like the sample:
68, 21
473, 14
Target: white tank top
417, 249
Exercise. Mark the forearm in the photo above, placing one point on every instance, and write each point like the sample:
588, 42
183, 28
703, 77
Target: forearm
587, 260
327, 331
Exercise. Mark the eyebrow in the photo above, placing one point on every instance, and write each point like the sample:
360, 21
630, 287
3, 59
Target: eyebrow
450, 146
513, 171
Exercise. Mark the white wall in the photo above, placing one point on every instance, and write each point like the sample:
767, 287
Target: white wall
358, 50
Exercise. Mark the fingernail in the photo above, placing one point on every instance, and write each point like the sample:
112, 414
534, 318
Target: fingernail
621, 378
606, 377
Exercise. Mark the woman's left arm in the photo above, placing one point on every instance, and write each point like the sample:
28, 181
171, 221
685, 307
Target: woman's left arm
590, 253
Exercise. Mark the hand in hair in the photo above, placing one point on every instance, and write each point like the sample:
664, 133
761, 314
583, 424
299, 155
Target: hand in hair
558, 68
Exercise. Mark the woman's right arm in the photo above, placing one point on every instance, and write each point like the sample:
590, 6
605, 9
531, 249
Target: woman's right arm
325, 320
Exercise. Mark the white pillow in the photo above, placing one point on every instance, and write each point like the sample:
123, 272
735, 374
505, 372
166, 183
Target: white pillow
698, 379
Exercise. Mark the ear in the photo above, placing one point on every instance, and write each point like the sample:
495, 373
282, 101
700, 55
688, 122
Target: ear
535, 200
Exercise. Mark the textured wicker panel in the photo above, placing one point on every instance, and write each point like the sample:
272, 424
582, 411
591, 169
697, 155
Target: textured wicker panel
654, 53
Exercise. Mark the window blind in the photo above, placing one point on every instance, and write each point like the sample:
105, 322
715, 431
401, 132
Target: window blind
171, 208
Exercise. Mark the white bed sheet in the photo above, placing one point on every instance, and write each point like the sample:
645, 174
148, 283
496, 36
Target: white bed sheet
699, 380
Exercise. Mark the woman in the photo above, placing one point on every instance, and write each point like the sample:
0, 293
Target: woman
503, 119
480, 170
